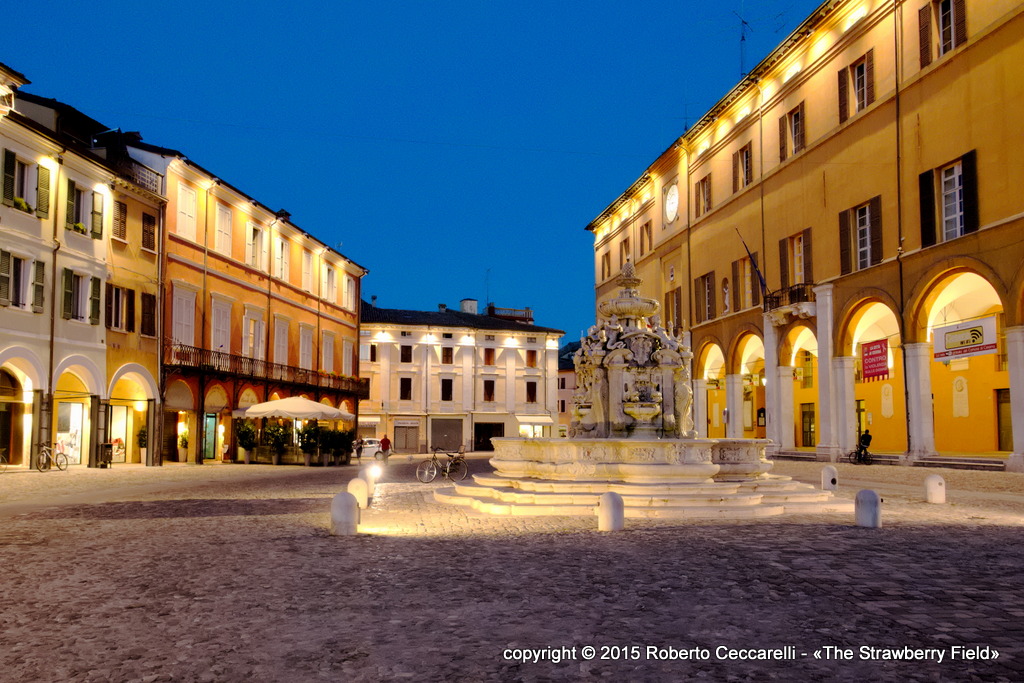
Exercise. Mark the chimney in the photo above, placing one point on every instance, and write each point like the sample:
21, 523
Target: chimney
443, 308
373, 300
468, 306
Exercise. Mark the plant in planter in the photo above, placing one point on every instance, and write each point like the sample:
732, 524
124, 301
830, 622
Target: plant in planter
245, 434
142, 439
327, 439
79, 228
20, 203
343, 445
278, 437
182, 446
309, 440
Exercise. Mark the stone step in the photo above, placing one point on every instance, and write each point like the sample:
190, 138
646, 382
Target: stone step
514, 495
552, 486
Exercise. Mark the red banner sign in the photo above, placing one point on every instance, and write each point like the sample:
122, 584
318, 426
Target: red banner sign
874, 359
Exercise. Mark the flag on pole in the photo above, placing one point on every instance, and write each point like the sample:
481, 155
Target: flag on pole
753, 262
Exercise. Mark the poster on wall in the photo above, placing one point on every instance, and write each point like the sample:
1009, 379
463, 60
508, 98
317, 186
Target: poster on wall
974, 338
874, 359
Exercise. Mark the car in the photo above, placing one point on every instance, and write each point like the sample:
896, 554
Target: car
371, 447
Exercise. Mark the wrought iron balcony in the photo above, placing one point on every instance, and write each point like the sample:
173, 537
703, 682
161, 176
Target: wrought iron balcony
180, 356
796, 300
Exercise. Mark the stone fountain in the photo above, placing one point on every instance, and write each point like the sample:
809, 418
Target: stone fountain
632, 433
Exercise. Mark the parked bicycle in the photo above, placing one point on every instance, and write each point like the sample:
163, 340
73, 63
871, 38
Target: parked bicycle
454, 469
50, 457
860, 456
3, 460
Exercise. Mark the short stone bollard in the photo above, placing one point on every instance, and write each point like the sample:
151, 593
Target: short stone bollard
358, 488
344, 515
868, 509
934, 489
371, 482
611, 512
829, 478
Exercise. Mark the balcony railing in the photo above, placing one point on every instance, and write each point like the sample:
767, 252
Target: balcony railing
789, 296
141, 175
205, 360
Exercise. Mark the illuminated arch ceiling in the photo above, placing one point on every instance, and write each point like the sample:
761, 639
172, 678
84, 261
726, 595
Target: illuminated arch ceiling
963, 296
714, 362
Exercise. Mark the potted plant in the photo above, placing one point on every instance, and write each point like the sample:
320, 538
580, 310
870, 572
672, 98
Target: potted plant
343, 445
309, 440
183, 447
142, 439
278, 436
20, 203
327, 439
245, 434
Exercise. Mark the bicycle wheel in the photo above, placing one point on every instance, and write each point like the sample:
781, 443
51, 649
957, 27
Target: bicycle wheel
426, 471
851, 457
43, 462
866, 458
457, 470
61, 461
3, 463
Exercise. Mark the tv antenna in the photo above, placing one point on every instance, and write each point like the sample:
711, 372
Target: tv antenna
744, 27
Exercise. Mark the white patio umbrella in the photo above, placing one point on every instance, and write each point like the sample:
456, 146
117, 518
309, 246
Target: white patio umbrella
298, 408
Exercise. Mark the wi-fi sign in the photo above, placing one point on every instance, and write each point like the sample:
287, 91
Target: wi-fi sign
976, 335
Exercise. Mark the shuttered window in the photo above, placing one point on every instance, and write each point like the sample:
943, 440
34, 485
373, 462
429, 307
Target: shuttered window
147, 324
120, 227
949, 199
857, 80
148, 232
96, 216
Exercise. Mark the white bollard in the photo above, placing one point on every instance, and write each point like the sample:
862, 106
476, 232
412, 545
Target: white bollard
934, 489
611, 512
358, 488
868, 509
371, 481
344, 515
829, 478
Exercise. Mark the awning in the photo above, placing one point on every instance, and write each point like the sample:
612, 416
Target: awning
298, 408
369, 419
535, 419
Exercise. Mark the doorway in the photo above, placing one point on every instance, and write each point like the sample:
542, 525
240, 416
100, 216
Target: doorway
210, 436
1004, 419
807, 424
483, 432
407, 440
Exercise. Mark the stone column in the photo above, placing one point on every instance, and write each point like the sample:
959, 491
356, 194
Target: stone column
827, 446
784, 409
771, 387
1015, 362
843, 381
734, 403
919, 401
700, 408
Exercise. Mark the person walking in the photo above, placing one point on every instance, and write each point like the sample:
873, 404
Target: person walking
385, 448
359, 449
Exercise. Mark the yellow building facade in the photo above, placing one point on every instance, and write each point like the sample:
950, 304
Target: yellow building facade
864, 169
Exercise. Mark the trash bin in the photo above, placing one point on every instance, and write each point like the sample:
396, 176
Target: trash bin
106, 455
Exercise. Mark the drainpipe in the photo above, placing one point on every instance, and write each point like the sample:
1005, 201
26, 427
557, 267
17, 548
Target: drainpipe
46, 422
200, 440
155, 452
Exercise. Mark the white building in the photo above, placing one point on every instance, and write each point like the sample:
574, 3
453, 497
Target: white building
453, 378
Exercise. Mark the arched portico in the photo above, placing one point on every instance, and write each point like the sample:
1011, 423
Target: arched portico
709, 392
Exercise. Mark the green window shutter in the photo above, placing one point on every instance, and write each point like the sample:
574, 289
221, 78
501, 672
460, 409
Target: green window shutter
784, 261
94, 301
97, 215
875, 231
69, 221
5, 278
969, 175
10, 161
69, 294
38, 287
845, 243
109, 307
43, 192
129, 310
926, 185
808, 254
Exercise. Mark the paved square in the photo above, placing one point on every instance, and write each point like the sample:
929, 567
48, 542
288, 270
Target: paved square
224, 573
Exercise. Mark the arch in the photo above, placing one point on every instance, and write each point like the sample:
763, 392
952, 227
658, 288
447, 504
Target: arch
179, 396
850, 309
865, 320
25, 365
798, 337
138, 374
740, 339
85, 369
748, 355
327, 402
216, 399
922, 296
247, 398
711, 361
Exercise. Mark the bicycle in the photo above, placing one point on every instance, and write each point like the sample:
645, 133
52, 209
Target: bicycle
859, 456
455, 469
3, 460
50, 457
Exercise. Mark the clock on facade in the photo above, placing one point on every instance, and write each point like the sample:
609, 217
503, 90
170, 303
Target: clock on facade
671, 203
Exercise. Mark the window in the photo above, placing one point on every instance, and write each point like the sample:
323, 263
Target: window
624, 253
949, 201
488, 337
447, 335
531, 358
148, 232
645, 238
674, 310
405, 333
446, 389
17, 185
120, 308
81, 297
281, 269
255, 247
350, 293
147, 325
860, 236
307, 270
220, 328
488, 391
348, 352
120, 228
84, 211
795, 259
791, 132
183, 317
606, 266
306, 348
488, 356
704, 295
222, 240
186, 226
327, 352
859, 80
561, 383
406, 353
22, 282
405, 388
281, 341
807, 370
253, 335
330, 284
746, 285
743, 167
945, 23
702, 196
447, 355
561, 405
531, 392
368, 352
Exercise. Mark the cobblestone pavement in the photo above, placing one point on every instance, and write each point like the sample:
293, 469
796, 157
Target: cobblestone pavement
227, 573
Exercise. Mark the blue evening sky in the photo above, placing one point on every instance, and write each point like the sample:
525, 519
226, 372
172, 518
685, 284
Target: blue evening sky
454, 148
